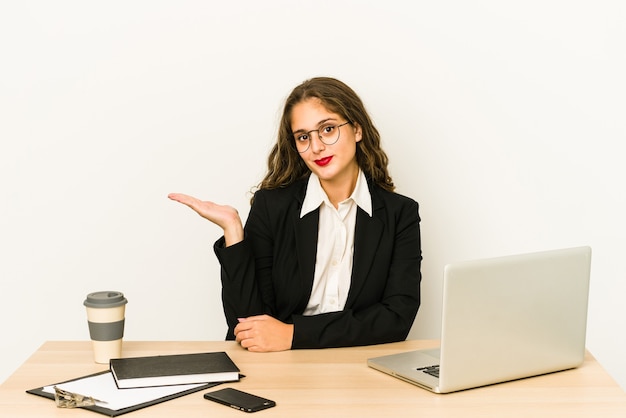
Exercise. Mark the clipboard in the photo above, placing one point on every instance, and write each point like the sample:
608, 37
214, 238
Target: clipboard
147, 396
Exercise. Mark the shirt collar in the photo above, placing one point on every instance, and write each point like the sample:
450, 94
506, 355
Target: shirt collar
315, 195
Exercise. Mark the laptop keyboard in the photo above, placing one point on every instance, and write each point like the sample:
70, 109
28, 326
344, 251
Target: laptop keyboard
431, 370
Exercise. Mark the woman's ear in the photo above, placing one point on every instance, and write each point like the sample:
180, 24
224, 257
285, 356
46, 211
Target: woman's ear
358, 132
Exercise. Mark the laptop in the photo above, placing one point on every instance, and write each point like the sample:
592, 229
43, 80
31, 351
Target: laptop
503, 319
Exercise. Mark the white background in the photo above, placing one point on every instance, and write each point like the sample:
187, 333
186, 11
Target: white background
505, 120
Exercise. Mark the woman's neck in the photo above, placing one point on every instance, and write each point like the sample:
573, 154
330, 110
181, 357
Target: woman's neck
339, 189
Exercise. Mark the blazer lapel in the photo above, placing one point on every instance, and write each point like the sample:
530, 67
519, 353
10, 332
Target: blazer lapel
366, 239
306, 242
306, 250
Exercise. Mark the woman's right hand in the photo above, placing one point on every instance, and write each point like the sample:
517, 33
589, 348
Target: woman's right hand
226, 217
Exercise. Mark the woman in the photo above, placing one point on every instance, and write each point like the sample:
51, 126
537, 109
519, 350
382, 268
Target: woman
330, 256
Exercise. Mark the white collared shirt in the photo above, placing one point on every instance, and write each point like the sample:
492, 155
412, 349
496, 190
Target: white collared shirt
335, 243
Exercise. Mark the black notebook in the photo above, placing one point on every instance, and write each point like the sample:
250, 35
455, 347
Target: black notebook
174, 369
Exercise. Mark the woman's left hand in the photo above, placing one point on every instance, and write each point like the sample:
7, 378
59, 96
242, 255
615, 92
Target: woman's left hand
263, 333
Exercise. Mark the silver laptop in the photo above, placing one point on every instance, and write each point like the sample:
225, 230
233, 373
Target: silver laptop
503, 318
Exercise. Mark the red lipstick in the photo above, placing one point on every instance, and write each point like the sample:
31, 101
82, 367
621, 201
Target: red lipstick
323, 161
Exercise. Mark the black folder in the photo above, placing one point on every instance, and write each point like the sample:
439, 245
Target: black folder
115, 412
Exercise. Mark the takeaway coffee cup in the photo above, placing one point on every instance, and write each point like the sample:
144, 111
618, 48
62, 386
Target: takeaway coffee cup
105, 316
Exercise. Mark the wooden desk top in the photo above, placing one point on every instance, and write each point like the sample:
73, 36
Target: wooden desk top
322, 383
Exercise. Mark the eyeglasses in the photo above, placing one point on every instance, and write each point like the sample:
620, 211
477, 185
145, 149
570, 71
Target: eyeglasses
327, 133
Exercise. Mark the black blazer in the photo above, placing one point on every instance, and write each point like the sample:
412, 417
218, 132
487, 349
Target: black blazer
271, 270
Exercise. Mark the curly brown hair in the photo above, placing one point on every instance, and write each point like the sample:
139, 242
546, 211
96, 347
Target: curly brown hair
285, 165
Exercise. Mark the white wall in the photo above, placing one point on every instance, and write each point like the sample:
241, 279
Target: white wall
505, 120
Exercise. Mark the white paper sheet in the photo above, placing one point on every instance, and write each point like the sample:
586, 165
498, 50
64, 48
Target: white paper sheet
102, 387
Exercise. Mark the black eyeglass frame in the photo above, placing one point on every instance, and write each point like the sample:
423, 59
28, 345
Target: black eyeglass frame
317, 131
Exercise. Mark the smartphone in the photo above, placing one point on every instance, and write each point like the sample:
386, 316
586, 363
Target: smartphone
239, 400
